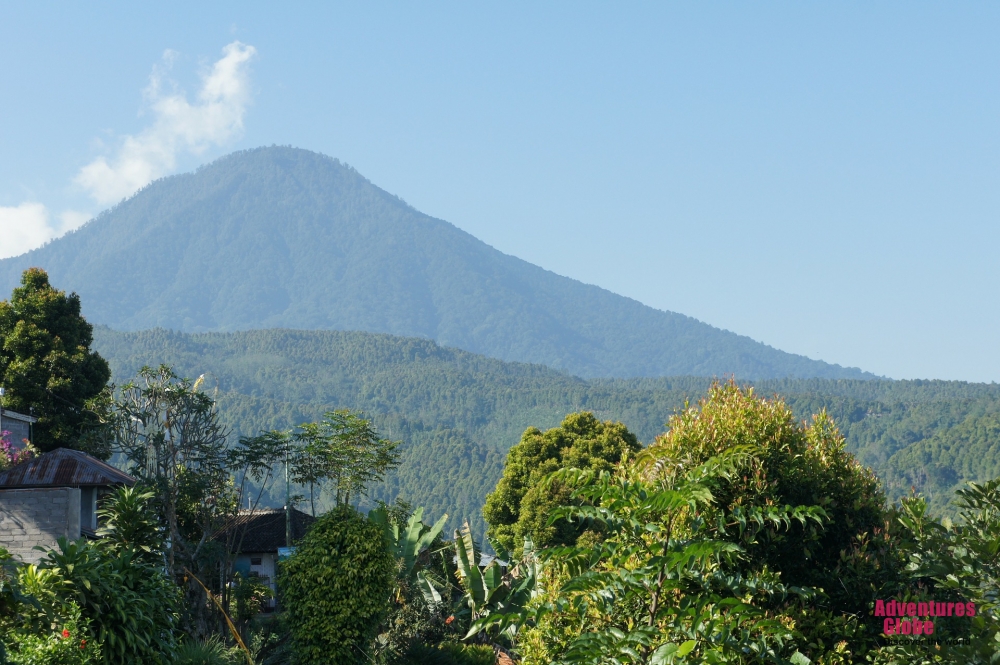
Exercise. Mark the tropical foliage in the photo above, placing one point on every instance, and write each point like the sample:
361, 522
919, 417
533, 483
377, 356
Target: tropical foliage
107, 596
786, 463
957, 562
660, 586
68, 643
742, 534
132, 607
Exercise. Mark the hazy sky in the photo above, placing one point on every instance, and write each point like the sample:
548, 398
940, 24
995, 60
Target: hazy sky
822, 177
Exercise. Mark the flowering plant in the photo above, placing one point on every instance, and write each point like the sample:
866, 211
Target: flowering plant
10, 455
67, 645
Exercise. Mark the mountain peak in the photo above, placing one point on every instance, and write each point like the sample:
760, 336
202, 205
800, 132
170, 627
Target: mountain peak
285, 237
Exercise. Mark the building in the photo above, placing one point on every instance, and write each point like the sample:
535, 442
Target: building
18, 424
51, 496
256, 536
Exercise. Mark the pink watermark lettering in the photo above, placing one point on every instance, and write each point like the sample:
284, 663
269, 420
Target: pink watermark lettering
904, 617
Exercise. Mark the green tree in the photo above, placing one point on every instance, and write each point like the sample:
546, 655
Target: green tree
658, 588
521, 504
170, 433
336, 588
47, 366
849, 559
957, 562
789, 463
343, 449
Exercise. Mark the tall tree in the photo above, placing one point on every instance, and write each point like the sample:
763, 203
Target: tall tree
170, 433
790, 463
47, 367
344, 450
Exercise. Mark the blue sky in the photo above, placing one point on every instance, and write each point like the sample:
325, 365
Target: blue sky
820, 177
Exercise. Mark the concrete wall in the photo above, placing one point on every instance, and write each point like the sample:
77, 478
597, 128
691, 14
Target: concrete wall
30, 517
19, 430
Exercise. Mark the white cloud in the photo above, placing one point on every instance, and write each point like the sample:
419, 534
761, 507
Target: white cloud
22, 228
179, 126
27, 226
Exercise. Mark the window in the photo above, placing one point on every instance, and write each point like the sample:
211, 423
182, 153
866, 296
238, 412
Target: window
256, 561
88, 508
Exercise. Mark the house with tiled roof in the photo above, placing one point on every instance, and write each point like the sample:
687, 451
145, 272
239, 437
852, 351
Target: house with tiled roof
51, 496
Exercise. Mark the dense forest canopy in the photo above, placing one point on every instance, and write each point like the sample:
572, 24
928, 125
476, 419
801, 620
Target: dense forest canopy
459, 413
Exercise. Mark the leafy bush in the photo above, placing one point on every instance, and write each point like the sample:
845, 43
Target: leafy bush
658, 588
210, 652
69, 644
250, 595
131, 605
129, 523
958, 562
268, 641
336, 588
709, 544
451, 653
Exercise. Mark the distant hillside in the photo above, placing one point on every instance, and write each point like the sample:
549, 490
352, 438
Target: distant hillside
280, 237
458, 413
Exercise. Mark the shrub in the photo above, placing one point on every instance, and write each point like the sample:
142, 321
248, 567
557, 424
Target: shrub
211, 652
129, 522
336, 587
131, 605
451, 653
250, 595
69, 644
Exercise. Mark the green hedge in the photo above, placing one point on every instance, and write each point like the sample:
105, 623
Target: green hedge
335, 589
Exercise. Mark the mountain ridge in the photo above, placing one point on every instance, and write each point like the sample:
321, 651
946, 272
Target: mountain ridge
283, 237
458, 413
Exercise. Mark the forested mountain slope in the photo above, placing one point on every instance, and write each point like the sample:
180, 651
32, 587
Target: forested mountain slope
280, 237
458, 412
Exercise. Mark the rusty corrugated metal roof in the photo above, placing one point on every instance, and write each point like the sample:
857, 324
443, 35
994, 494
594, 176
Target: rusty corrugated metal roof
63, 467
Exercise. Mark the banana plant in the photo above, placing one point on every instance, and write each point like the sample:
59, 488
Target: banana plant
407, 544
497, 594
